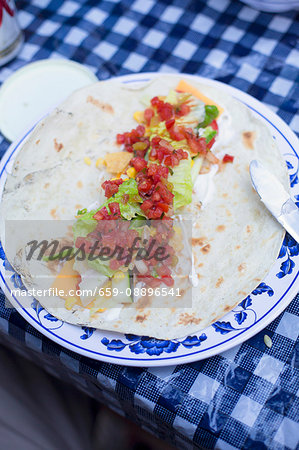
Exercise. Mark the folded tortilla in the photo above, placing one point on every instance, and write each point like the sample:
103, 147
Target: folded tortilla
235, 240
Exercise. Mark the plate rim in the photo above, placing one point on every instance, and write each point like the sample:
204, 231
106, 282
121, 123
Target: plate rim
159, 361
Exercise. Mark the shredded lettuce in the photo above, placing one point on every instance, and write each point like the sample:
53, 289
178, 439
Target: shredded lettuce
132, 208
84, 225
137, 223
182, 184
159, 130
172, 97
209, 134
101, 266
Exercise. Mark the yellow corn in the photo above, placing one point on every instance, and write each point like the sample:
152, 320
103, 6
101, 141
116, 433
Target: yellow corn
192, 162
70, 302
116, 178
138, 116
139, 146
131, 172
87, 160
119, 275
100, 162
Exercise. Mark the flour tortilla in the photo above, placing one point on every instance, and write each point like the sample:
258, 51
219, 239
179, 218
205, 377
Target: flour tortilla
235, 240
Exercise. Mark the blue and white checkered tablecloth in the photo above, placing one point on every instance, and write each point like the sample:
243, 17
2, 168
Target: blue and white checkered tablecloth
246, 397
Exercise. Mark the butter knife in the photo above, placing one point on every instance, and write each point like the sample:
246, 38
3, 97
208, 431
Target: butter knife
275, 198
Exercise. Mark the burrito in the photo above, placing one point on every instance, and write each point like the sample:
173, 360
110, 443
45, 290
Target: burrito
162, 167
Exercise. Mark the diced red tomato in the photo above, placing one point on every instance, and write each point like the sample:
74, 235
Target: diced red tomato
182, 110
115, 210
163, 206
157, 172
214, 125
196, 144
176, 133
140, 130
111, 187
138, 163
148, 114
228, 158
144, 186
155, 212
211, 143
165, 111
155, 101
131, 137
102, 214
120, 138
169, 123
146, 205
165, 194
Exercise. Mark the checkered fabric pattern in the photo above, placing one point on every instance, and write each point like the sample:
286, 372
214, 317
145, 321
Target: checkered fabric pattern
247, 397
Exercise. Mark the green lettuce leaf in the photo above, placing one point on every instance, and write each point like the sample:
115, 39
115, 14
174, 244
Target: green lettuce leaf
132, 208
101, 266
209, 134
182, 184
84, 225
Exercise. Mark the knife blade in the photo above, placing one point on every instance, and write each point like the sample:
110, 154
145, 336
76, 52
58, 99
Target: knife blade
275, 198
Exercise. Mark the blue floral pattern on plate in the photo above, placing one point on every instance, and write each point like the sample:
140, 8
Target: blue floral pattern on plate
43, 315
88, 332
152, 346
242, 310
289, 249
293, 173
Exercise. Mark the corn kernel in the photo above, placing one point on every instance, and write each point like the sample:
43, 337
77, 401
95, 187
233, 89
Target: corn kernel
119, 275
139, 146
87, 160
131, 172
138, 116
70, 302
192, 162
100, 162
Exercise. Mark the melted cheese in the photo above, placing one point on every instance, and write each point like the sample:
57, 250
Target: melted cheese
67, 280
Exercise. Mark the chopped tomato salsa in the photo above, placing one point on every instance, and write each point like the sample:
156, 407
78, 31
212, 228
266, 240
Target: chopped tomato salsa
228, 158
163, 138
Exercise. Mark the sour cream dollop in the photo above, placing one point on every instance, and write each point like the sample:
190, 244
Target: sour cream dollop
204, 187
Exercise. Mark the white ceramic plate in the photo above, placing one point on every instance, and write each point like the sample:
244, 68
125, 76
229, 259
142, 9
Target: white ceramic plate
262, 306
